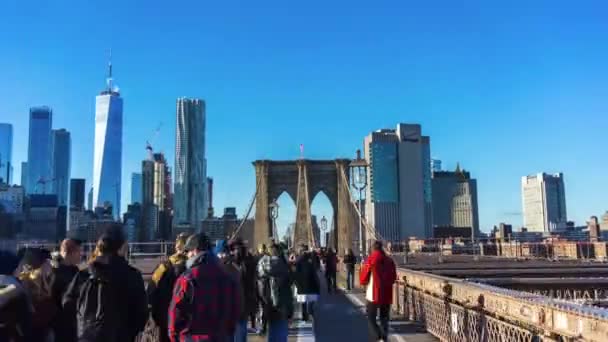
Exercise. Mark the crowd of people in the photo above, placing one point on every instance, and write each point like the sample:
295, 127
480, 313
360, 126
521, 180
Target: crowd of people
203, 292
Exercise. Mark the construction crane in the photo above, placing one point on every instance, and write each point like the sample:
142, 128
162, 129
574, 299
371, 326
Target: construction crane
44, 181
152, 139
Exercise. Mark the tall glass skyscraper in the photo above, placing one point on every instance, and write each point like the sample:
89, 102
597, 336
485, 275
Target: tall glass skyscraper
39, 153
190, 200
107, 162
398, 196
62, 147
136, 188
6, 153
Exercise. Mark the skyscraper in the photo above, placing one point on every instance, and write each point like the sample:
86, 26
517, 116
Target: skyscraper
455, 200
436, 165
90, 200
62, 147
39, 153
77, 194
544, 202
190, 199
6, 153
136, 188
156, 213
398, 192
24, 174
107, 162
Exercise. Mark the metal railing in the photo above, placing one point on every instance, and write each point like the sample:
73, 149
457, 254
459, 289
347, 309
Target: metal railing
456, 310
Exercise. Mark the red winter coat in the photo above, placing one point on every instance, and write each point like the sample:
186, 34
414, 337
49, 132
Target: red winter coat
382, 269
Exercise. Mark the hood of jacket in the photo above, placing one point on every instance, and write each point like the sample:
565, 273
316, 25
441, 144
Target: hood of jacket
106, 267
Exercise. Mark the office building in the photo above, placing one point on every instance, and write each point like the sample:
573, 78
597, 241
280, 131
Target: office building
107, 158
210, 212
136, 184
44, 221
24, 175
61, 147
77, 193
155, 195
436, 165
397, 204
132, 220
190, 200
90, 200
428, 185
455, 200
6, 153
12, 198
39, 153
544, 202
604, 222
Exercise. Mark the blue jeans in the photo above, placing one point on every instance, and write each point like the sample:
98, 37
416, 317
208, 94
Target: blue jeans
278, 331
350, 279
240, 334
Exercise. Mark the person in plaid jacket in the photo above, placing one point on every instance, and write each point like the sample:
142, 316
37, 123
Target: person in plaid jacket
206, 302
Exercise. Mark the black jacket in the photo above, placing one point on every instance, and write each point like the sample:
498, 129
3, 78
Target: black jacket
247, 277
63, 324
306, 277
350, 261
160, 290
131, 311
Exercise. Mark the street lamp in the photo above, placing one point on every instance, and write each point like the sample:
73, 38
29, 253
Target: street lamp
274, 213
358, 180
324, 228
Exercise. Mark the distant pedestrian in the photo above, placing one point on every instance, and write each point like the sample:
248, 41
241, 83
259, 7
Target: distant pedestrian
108, 298
275, 293
206, 302
64, 264
379, 274
307, 282
331, 268
350, 260
160, 287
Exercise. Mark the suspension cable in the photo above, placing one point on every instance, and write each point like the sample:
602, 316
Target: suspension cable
369, 228
246, 217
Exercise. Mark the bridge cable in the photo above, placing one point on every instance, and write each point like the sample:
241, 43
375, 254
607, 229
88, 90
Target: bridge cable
246, 217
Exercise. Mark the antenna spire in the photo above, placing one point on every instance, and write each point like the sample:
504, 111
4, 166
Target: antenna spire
109, 78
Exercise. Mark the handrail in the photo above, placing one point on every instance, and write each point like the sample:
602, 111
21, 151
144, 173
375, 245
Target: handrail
553, 315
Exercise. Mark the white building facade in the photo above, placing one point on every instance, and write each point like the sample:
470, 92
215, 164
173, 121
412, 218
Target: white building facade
544, 202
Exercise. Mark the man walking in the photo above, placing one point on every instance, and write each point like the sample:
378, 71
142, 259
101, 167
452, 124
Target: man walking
378, 274
331, 268
275, 293
206, 302
244, 266
307, 282
349, 264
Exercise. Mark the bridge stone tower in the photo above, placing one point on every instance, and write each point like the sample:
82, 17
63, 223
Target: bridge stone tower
302, 180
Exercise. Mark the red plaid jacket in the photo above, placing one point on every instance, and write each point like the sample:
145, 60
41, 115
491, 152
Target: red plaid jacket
206, 303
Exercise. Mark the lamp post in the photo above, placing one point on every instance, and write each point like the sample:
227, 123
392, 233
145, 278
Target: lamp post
323, 228
358, 180
274, 213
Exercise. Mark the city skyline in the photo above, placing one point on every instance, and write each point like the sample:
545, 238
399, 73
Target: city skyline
488, 96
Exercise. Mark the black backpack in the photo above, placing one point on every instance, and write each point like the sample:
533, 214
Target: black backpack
97, 310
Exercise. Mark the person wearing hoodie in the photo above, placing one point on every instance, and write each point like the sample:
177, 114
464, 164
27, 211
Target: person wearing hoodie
108, 299
64, 267
379, 274
275, 293
307, 281
15, 306
160, 287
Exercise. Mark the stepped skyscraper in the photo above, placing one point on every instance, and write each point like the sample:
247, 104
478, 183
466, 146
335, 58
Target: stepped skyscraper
107, 164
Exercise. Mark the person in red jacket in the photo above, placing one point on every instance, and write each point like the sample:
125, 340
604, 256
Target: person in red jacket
378, 274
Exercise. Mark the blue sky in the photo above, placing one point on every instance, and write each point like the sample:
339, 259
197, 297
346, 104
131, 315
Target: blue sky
505, 89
